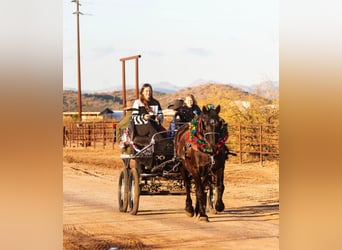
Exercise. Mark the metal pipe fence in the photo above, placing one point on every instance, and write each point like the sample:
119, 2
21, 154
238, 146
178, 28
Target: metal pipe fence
254, 142
89, 134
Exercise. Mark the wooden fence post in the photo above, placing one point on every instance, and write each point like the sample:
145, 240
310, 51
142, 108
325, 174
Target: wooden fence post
260, 143
240, 146
94, 132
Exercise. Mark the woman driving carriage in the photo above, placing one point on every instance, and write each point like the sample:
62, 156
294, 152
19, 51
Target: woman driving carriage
147, 114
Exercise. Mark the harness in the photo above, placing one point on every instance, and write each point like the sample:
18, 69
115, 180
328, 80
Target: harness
198, 140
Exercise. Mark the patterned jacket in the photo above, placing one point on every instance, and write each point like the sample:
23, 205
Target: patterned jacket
139, 111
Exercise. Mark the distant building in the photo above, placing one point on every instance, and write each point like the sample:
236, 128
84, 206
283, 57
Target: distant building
95, 116
85, 115
107, 113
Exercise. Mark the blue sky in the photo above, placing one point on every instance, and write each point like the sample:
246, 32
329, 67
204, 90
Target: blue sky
180, 42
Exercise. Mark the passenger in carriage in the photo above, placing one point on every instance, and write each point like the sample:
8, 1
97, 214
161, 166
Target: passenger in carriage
147, 114
176, 120
185, 112
190, 109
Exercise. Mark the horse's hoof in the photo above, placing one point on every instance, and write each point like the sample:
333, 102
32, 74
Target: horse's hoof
204, 218
189, 212
219, 207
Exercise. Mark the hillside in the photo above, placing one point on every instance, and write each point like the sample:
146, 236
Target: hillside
206, 93
237, 105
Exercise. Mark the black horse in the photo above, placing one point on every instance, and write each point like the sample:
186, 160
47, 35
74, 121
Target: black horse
200, 146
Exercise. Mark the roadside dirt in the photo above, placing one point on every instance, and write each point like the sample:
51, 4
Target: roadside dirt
91, 218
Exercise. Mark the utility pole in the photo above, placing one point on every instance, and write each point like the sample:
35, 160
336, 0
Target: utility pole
78, 58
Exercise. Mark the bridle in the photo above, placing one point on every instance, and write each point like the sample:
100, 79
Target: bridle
199, 137
206, 134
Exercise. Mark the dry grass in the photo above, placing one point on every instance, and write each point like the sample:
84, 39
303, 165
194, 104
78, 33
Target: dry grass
106, 158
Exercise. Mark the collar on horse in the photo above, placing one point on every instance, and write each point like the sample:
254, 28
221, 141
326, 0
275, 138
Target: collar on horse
196, 137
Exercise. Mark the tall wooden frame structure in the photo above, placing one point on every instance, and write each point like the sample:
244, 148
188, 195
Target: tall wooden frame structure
123, 60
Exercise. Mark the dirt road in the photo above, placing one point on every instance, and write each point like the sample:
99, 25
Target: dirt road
92, 219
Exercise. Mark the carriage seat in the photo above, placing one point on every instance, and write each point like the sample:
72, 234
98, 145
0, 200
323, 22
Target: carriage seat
140, 134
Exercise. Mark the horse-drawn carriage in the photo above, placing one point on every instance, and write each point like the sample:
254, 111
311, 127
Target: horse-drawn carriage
191, 159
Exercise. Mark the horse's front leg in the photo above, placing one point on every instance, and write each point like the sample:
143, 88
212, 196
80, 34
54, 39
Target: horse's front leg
189, 210
200, 200
219, 206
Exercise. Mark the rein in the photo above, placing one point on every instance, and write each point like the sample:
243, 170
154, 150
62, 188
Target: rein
197, 137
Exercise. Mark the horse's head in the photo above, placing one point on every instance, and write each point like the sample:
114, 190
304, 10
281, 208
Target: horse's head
211, 125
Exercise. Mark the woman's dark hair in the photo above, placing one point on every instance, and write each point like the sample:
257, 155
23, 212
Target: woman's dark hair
193, 99
142, 99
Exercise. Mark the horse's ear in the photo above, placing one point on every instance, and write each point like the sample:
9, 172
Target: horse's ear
204, 109
218, 108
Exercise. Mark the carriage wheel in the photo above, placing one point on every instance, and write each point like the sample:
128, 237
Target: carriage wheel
134, 191
210, 208
123, 190
123, 186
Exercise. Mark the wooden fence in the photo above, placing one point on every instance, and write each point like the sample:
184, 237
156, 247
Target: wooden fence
251, 142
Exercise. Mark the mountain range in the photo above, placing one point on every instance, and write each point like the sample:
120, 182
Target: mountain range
167, 87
